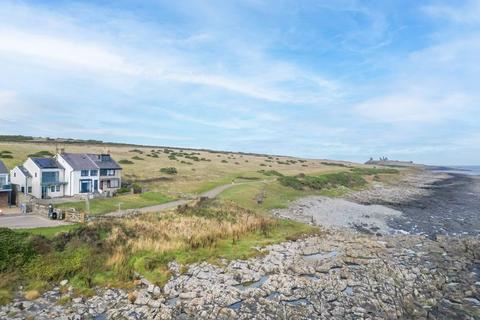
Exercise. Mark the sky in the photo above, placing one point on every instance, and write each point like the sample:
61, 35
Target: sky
318, 79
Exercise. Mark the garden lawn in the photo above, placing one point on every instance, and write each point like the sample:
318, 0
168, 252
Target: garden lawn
130, 201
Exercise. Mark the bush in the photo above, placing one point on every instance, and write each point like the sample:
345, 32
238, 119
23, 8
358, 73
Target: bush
292, 182
171, 170
332, 180
125, 161
271, 173
41, 154
137, 158
136, 151
373, 171
6, 156
15, 249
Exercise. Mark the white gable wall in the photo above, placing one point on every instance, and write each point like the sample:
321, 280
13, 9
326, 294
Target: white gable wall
36, 177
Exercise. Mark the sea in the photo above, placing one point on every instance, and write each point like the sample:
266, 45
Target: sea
468, 170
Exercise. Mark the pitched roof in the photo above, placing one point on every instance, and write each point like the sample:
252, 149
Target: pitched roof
47, 163
25, 171
79, 161
90, 161
3, 168
104, 161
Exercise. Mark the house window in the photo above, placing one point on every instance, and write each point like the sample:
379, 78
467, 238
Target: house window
58, 188
52, 188
29, 189
107, 172
84, 173
23, 189
14, 174
50, 177
35, 174
93, 172
113, 183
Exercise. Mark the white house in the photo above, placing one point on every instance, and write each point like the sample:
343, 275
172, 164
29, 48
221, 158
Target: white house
67, 174
87, 173
5, 188
40, 177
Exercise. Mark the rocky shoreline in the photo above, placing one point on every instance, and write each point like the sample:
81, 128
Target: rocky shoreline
339, 274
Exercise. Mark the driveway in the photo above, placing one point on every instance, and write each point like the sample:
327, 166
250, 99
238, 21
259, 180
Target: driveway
28, 222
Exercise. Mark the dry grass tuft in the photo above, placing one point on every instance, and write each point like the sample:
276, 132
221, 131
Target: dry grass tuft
132, 297
32, 295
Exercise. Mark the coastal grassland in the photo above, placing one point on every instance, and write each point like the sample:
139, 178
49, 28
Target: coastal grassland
280, 189
128, 201
109, 252
197, 170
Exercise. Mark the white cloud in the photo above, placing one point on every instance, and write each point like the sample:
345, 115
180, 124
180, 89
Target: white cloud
467, 13
66, 51
413, 105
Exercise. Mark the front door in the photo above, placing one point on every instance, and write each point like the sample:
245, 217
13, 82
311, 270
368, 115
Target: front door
44, 192
85, 186
95, 185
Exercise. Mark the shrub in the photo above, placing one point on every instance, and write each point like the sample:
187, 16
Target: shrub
271, 173
373, 171
41, 154
6, 156
15, 249
170, 170
137, 158
125, 161
224, 161
292, 182
332, 180
136, 151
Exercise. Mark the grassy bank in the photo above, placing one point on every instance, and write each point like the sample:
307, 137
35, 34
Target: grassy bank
107, 253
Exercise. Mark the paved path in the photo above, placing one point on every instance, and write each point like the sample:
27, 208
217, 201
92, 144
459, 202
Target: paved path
173, 204
28, 221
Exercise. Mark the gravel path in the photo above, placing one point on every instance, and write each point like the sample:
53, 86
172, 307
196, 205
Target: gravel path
213, 193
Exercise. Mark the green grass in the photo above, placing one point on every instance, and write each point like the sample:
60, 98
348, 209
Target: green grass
130, 201
48, 232
276, 195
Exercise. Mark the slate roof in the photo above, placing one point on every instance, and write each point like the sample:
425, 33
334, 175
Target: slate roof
3, 168
25, 171
89, 161
47, 163
79, 161
104, 161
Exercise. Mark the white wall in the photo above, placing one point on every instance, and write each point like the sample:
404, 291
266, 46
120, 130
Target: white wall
68, 190
36, 177
18, 178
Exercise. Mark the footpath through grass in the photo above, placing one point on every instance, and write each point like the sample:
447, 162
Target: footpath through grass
130, 201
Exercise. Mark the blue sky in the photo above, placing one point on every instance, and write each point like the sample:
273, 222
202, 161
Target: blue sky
323, 79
